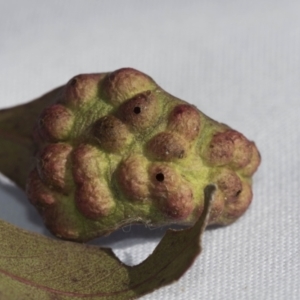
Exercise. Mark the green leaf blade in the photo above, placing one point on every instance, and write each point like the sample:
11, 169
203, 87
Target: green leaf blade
36, 267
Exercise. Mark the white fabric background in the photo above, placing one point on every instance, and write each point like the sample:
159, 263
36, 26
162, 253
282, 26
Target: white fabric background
238, 61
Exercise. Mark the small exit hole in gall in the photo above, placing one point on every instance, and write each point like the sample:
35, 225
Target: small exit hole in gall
137, 110
160, 177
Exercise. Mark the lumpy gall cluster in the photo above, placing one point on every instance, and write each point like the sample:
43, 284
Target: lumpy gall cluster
115, 149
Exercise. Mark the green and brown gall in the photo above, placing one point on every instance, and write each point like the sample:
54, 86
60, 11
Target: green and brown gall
116, 149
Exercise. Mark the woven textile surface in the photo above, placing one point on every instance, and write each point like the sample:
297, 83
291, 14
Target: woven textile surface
237, 61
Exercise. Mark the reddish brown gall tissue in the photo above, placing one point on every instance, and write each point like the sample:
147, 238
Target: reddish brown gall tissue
167, 146
234, 210
163, 176
117, 148
85, 163
60, 223
38, 192
124, 84
255, 160
93, 199
173, 195
55, 123
54, 165
81, 89
140, 112
242, 149
229, 184
228, 147
111, 134
185, 120
132, 178
178, 205
220, 150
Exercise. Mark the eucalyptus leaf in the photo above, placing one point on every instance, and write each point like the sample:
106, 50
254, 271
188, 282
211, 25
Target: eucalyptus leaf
34, 267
